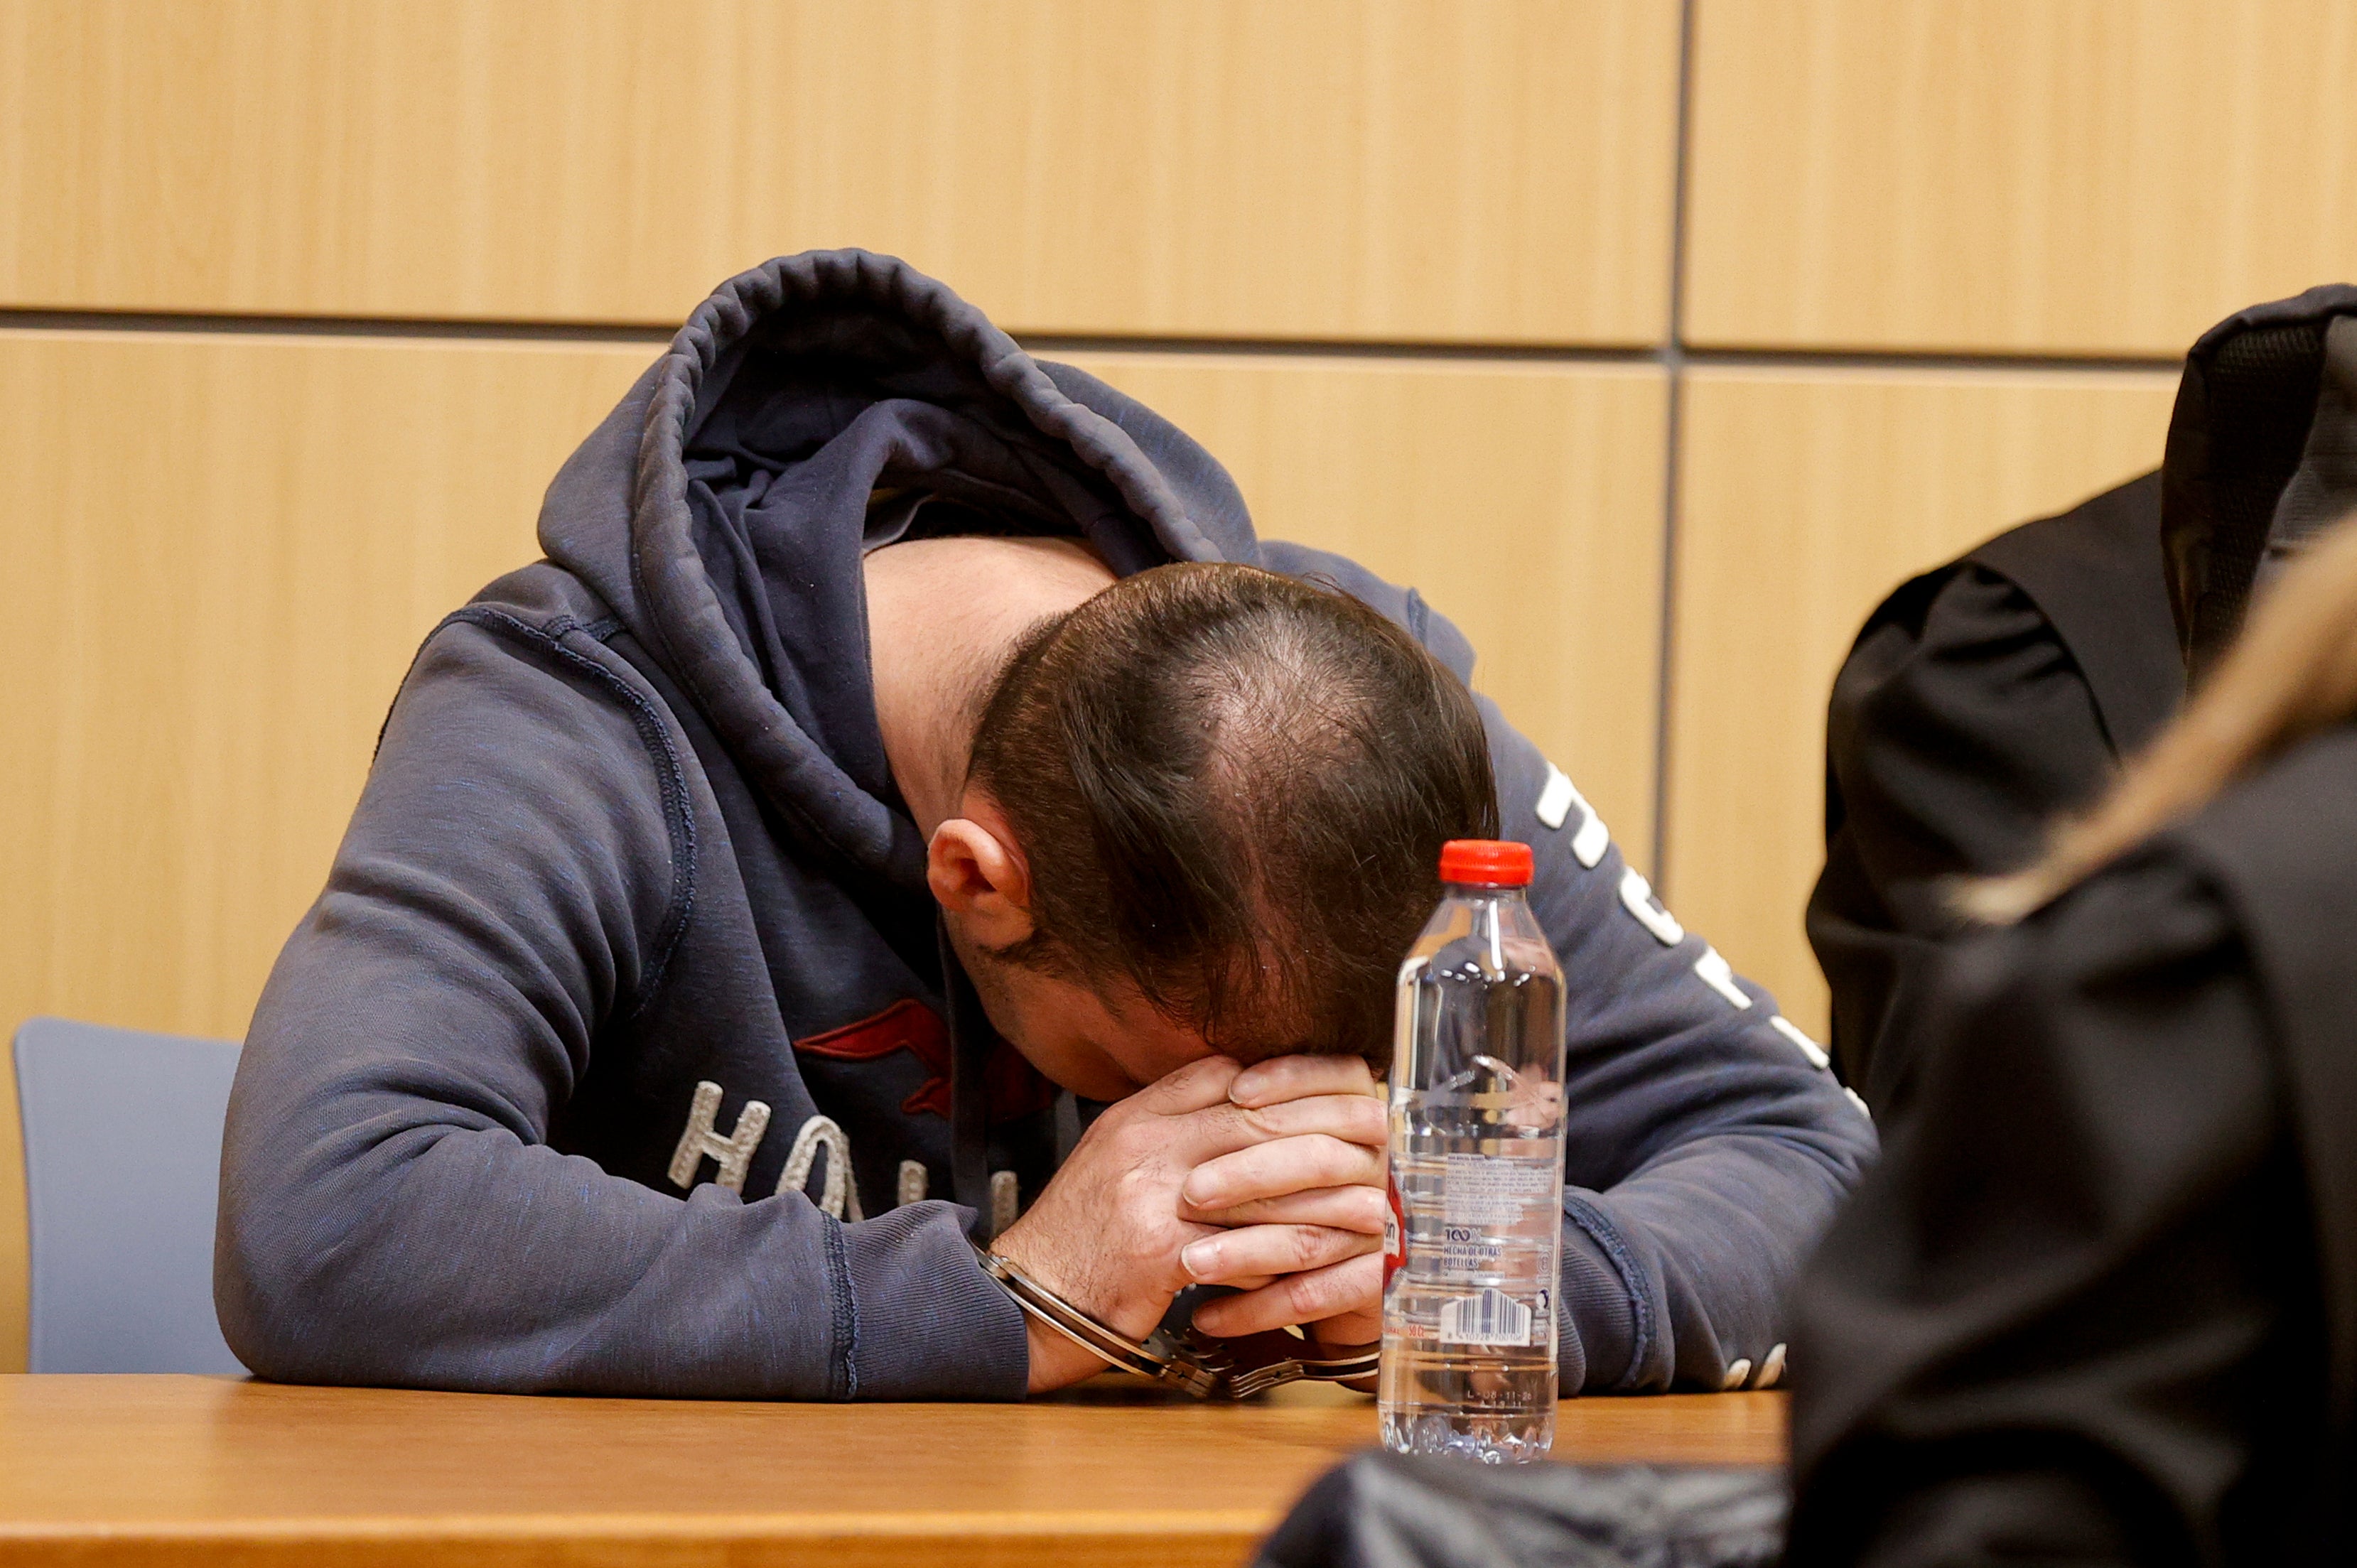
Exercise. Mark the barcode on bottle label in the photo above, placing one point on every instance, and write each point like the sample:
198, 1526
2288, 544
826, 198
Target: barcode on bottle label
1477, 1190
1491, 1318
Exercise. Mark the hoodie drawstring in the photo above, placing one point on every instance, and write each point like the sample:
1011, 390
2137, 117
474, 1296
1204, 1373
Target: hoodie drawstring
971, 1039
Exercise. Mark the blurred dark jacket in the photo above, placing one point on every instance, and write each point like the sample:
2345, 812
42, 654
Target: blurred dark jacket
2099, 1302
1989, 696
1981, 700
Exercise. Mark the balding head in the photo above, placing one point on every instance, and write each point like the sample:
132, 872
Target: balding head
1232, 789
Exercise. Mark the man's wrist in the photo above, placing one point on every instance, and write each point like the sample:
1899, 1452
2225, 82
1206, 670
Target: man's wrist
1056, 1361
1134, 1320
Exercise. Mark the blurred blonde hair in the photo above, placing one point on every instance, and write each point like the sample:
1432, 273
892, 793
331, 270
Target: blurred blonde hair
2292, 673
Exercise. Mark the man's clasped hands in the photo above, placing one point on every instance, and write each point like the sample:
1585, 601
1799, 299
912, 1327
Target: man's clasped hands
1267, 1179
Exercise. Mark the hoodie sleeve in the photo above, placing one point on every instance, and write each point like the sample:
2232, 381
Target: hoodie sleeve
1707, 1145
391, 1211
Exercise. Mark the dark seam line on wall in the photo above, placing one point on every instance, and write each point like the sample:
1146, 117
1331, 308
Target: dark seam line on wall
1674, 366
329, 326
1926, 360
1676, 354
1339, 347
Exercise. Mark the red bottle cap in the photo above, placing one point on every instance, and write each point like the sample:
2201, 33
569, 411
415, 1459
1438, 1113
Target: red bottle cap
1487, 863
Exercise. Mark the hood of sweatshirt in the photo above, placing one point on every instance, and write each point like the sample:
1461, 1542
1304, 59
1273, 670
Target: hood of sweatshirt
814, 408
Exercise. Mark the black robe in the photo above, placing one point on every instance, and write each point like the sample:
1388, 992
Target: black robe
1980, 700
2099, 1303
1988, 696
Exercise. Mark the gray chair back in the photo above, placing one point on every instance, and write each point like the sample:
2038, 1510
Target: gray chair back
123, 1136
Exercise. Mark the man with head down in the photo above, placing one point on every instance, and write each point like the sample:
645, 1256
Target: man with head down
909, 808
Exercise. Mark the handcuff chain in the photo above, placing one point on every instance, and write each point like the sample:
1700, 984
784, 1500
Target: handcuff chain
1202, 1366
1173, 1367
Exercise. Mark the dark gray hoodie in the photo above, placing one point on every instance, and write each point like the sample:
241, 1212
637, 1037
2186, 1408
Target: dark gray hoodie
629, 944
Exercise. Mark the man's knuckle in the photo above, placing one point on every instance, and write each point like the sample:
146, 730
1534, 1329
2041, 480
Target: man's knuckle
1219, 1121
1133, 1184
1270, 1120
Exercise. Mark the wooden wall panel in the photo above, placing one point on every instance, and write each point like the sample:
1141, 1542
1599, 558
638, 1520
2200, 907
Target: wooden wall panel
1808, 496
226, 550
1465, 169
2104, 177
1523, 501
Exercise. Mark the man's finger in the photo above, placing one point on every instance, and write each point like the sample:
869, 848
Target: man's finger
1198, 1086
1218, 1129
1355, 1285
1357, 1207
1354, 1118
1273, 1170
1201, 1136
1233, 1257
1292, 1078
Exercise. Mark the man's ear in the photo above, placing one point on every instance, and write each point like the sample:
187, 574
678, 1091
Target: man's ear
980, 879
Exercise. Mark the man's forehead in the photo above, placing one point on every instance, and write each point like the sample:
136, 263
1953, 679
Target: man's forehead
1135, 1015
1136, 1018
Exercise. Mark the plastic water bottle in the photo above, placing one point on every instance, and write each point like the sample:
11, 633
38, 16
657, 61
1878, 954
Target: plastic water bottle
1471, 1245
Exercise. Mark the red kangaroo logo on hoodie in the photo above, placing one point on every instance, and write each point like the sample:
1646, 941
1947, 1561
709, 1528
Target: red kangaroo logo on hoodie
1016, 1087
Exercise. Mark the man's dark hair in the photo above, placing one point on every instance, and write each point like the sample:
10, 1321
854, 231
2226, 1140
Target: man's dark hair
1231, 788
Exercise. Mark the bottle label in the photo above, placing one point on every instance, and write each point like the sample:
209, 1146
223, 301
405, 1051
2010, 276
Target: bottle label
1477, 1190
1395, 1233
1483, 1201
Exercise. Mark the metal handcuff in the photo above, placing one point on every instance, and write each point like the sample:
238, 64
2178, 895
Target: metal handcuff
1183, 1358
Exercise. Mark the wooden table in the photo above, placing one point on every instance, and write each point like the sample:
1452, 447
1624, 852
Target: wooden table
148, 1470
